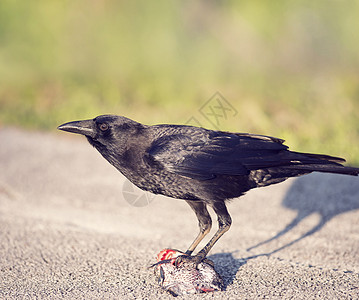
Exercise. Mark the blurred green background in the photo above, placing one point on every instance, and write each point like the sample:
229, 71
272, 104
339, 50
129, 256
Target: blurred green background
289, 68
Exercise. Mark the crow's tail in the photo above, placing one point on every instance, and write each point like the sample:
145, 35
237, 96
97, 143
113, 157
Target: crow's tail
325, 168
322, 163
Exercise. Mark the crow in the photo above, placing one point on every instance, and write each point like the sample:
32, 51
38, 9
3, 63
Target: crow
203, 167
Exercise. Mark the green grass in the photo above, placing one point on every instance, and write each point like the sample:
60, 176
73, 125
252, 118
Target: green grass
289, 68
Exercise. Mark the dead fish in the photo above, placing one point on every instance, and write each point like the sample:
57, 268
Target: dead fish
185, 278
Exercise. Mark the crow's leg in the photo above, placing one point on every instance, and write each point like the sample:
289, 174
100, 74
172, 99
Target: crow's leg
204, 223
224, 223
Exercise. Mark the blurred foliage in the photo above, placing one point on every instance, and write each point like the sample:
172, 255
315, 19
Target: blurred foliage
290, 68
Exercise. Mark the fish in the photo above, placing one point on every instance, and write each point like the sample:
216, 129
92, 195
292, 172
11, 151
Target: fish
185, 279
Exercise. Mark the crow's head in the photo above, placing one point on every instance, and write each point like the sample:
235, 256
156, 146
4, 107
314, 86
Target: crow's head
106, 132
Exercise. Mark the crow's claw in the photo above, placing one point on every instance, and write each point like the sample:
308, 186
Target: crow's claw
192, 261
185, 259
208, 261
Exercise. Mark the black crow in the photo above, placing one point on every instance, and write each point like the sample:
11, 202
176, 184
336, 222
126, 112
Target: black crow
202, 167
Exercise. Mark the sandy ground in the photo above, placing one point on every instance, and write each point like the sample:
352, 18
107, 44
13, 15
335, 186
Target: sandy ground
71, 227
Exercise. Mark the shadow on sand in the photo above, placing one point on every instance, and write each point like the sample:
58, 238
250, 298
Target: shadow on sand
327, 195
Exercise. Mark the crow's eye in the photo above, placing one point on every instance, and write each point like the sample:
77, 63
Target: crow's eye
103, 126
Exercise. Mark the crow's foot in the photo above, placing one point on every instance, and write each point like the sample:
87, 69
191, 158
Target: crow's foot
192, 261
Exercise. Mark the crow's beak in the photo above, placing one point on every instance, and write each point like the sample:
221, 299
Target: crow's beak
85, 127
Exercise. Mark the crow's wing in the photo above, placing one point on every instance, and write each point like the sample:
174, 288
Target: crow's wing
203, 154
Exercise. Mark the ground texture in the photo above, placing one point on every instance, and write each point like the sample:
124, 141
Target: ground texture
72, 227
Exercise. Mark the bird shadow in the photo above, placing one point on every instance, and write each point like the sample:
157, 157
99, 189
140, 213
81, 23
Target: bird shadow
326, 195
227, 266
